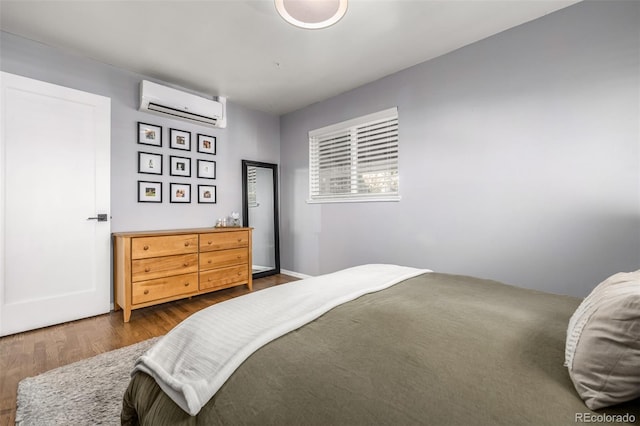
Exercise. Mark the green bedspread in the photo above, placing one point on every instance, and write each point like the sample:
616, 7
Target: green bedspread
437, 349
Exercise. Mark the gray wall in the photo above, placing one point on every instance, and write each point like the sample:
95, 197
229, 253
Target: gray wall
519, 160
250, 134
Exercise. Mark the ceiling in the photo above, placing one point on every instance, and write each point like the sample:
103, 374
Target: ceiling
245, 51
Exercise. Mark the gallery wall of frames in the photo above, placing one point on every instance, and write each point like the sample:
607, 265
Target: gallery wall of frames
176, 160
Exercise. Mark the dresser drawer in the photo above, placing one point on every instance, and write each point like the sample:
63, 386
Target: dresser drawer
224, 240
222, 258
147, 291
224, 277
158, 267
144, 247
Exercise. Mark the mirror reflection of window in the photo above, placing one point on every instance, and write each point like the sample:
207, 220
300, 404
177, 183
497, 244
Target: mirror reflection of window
251, 186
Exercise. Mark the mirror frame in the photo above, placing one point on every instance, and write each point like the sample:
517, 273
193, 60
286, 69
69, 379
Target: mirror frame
245, 211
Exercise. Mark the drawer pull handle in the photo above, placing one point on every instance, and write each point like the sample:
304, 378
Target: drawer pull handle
209, 242
145, 248
239, 256
239, 240
239, 273
208, 279
147, 269
186, 284
186, 244
146, 292
185, 264
209, 261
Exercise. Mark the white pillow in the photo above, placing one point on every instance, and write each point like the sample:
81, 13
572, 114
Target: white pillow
602, 350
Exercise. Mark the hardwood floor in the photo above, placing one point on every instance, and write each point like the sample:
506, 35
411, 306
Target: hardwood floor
31, 353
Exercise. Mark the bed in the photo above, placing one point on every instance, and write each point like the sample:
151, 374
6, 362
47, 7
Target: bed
430, 349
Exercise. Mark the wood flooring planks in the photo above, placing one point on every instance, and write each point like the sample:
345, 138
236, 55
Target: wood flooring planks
33, 352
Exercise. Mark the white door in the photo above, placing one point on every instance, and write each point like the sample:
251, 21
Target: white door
54, 176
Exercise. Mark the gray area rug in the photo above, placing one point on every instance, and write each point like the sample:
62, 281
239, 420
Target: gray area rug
87, 392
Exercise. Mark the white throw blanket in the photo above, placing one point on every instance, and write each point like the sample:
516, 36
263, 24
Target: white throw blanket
195, 359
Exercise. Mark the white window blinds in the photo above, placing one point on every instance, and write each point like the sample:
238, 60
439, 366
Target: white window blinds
356, 160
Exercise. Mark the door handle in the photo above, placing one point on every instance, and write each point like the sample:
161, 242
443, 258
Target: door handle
102, 217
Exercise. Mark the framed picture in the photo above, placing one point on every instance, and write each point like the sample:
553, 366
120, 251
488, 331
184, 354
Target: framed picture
149, 192
180, 166
149, 134
207, 194
180, 139
149, 163
180, 193
206, 169
206, 144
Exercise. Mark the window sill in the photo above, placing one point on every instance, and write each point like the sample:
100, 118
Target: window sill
395, 198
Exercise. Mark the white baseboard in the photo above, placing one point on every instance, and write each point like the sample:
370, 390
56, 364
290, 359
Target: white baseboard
294, 274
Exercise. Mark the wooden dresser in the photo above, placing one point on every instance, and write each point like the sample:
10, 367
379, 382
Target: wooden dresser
161, 266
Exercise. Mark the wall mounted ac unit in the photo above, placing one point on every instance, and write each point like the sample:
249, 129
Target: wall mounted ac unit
174, 103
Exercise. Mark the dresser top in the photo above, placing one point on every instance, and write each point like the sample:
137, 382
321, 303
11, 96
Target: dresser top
180, 231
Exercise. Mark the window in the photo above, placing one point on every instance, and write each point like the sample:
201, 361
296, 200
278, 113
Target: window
356, 160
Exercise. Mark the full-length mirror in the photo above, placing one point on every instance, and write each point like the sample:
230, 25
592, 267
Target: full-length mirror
260, 211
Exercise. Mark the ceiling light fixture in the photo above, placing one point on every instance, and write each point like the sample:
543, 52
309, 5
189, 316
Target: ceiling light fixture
311, 14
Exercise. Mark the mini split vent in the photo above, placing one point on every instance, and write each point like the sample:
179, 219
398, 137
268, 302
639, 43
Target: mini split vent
181, 105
